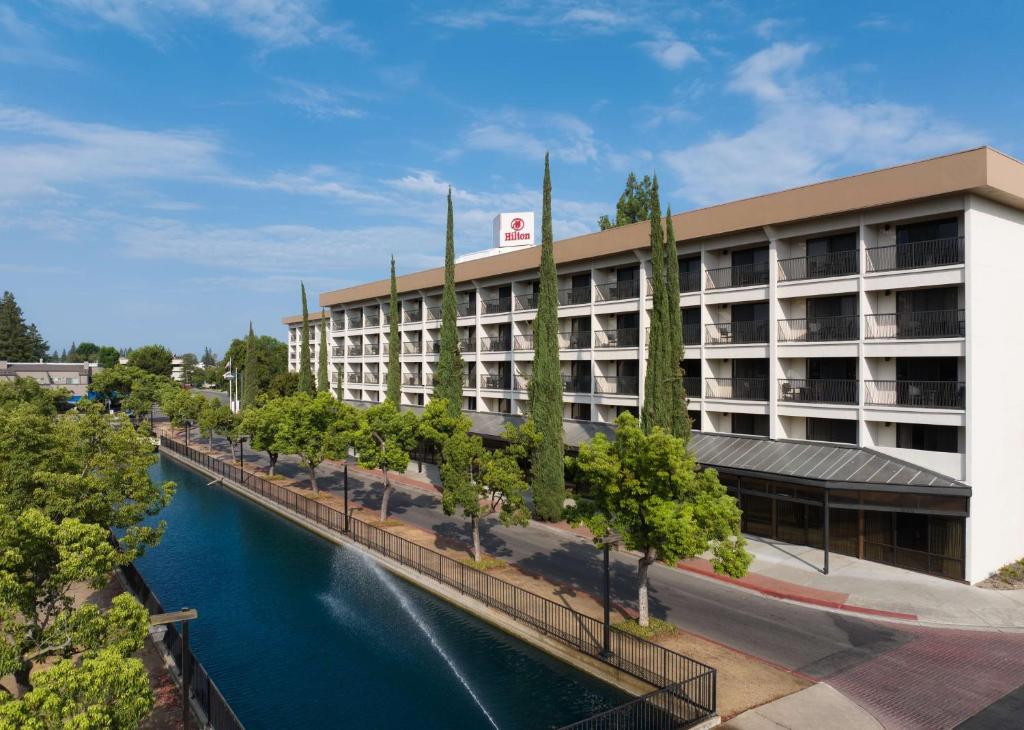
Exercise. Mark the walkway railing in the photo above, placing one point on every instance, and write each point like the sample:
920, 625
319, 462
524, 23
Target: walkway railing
689, 686
668, 708
218, 712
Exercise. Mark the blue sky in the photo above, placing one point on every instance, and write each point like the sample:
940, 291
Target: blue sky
170, 169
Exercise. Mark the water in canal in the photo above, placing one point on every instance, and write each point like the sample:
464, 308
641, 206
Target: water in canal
300, 633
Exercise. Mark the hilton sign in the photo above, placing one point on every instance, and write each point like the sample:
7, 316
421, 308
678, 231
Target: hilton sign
513, 230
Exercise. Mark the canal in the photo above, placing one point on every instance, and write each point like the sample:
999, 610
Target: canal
298, 632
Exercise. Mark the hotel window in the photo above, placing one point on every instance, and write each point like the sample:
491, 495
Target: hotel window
836, 430
579, 411
926, 437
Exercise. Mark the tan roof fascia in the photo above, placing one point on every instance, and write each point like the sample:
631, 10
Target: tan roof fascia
297, 318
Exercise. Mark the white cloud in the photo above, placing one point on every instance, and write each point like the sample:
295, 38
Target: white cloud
596, 20
567, 137
670, 52
767, 72
318, 102
802, 135
25, 44
45, 152
272, 23
767, 27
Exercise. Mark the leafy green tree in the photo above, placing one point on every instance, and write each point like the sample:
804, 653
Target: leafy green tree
271, 361
383, 440
107, 357
645, 488
19, 341
283, 384
263, 423
545, 389
448, 383
154, 359
85, 352
46, 401
209, 359
323, 381
635, 204
142, 395
680, 419
250, 386
182, 407
314, 428
394, 383
658, 376
215, 417
306, 384
189, 367
480, 483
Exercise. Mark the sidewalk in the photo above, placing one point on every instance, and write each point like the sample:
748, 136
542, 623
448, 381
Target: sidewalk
794, 573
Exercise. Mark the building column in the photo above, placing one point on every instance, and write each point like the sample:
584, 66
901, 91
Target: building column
774, 315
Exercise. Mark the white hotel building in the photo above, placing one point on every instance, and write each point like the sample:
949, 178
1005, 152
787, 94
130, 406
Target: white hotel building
850, 353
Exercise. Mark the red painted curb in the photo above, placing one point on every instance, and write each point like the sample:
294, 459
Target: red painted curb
879, 612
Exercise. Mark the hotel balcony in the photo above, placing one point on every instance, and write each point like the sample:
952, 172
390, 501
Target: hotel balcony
526, 301
691, 384
338, 351
522, 342
355, 323
689, 281
432, 347
412, 348
915, 325
354, 377
617, 384
918, 255
355, 350
820, 329
495, 344
574, 340
370, 378
371, 349
916, 393
467, 345
824, 266
737, 388
737, 333
433, 313
731, 277
691, 334
521, 383
628, 337
414, 379
496, 382
412, 315
578, 295
618, 291
465, 309
499, 305
575, 384
824, 390
372, 320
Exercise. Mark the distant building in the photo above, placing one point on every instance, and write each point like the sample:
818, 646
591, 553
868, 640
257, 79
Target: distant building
316, 321
178, 369
73, 376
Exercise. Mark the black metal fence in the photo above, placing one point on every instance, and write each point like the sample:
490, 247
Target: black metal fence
688, 685
668, 708
218, 712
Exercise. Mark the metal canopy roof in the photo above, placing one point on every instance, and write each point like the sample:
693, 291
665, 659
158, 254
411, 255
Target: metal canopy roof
835, 466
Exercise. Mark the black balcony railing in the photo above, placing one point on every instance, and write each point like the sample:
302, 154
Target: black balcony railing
495, 344
433, 313
434, 347
574, 340
737, 333
691, 384
577, 295
498, 305
689, 281
372, 320
735, 276
575, 384
820, 329
465, 309
618, 290
338, 351
823, 390
617, 384
496, 382
414, 379
522, 342
916, 393
691, 334
822, 266
354, 377
627, 337
467, 345
370, 378
371, 348
412, 348
917, 255
355, 323
736, 388
412, 315
915, 325
355, 350
526, 301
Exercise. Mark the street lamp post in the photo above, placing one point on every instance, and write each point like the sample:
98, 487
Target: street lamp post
609, 540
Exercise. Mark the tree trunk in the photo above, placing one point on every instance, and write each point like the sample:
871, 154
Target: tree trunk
273, 461
22, 680
385, 497
312, 480
642, 603
475, 524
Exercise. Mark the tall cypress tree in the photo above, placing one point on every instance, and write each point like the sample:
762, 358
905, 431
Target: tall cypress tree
305, 366
680, 419
548, 469
655, 411
323, 384
250, 386
448, 383
394, 393
19, 340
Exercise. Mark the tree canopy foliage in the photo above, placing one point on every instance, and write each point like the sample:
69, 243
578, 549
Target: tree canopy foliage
155, 359
635, 204
271, 361
20, 341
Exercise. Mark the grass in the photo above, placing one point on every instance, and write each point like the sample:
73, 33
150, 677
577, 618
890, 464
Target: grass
655, 630
485, 564
1010, 576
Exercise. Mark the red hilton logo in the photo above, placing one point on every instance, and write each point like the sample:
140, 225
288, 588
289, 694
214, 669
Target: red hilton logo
517, 233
